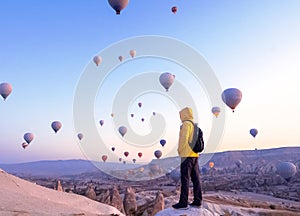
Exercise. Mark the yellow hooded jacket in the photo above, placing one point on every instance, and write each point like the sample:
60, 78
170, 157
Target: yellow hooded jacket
186, 134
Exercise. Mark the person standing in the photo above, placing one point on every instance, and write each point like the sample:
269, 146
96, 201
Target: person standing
189, 168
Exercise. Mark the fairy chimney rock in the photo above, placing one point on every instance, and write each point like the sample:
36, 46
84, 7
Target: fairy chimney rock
129, 202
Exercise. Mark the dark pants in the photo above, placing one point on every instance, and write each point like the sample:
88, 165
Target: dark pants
189, 169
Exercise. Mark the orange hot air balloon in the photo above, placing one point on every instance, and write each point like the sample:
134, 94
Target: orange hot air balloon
211, 164
104, 158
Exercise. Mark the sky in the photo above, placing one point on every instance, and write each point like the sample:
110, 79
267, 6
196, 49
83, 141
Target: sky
46, 47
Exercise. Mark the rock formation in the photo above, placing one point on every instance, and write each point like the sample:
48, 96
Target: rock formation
159, 203
116, 200
129, 202
90, 192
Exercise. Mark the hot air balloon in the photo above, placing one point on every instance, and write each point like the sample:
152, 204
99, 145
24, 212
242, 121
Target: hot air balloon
28, 137
101, 122
216, 111
122, 130
154, 113
132, 53
166, 80
25, 145
56, 125
253, 132
80, 136
124, 162
113, 148
232, 97
132, 115
120, 159
211, 164
126, 154
163, 142
118, 5
174, 10
134, 160
5, 90
97, 60
104, 158
286, 170
158, 154
140, 104
121, 58
142, 119
140, 154
112, 115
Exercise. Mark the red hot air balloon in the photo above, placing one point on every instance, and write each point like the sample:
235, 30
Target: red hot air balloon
126, 154
174, 10
140, 154
104, 158
25, 145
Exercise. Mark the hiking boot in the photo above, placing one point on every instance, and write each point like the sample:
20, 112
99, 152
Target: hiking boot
179, 206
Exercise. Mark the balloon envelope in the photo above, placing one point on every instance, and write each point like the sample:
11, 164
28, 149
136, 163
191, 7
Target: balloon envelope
174, 9
216, 111
104, 158
80, 136
286, 170
134, 160
113, 148
97, 60
56, 125
5, 90
25, 145
140, 154
132, 53
118, 5
158, 154
132, 115
122, 130
126, 154
140, 104
121, 58
101, 122
163, 142
28, 137
253, 132
232, 97
166, 80
211, 164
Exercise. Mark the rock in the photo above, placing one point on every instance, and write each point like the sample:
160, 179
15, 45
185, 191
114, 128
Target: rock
158, 203
188, 212
116, 200
90, 192
58, 186
104, 197
129, 202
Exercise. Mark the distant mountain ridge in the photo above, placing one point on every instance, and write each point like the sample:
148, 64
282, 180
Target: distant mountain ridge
74, 167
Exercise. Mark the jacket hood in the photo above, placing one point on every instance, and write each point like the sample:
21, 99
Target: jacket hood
186, 114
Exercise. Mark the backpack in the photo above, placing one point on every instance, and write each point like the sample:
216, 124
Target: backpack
197, 144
